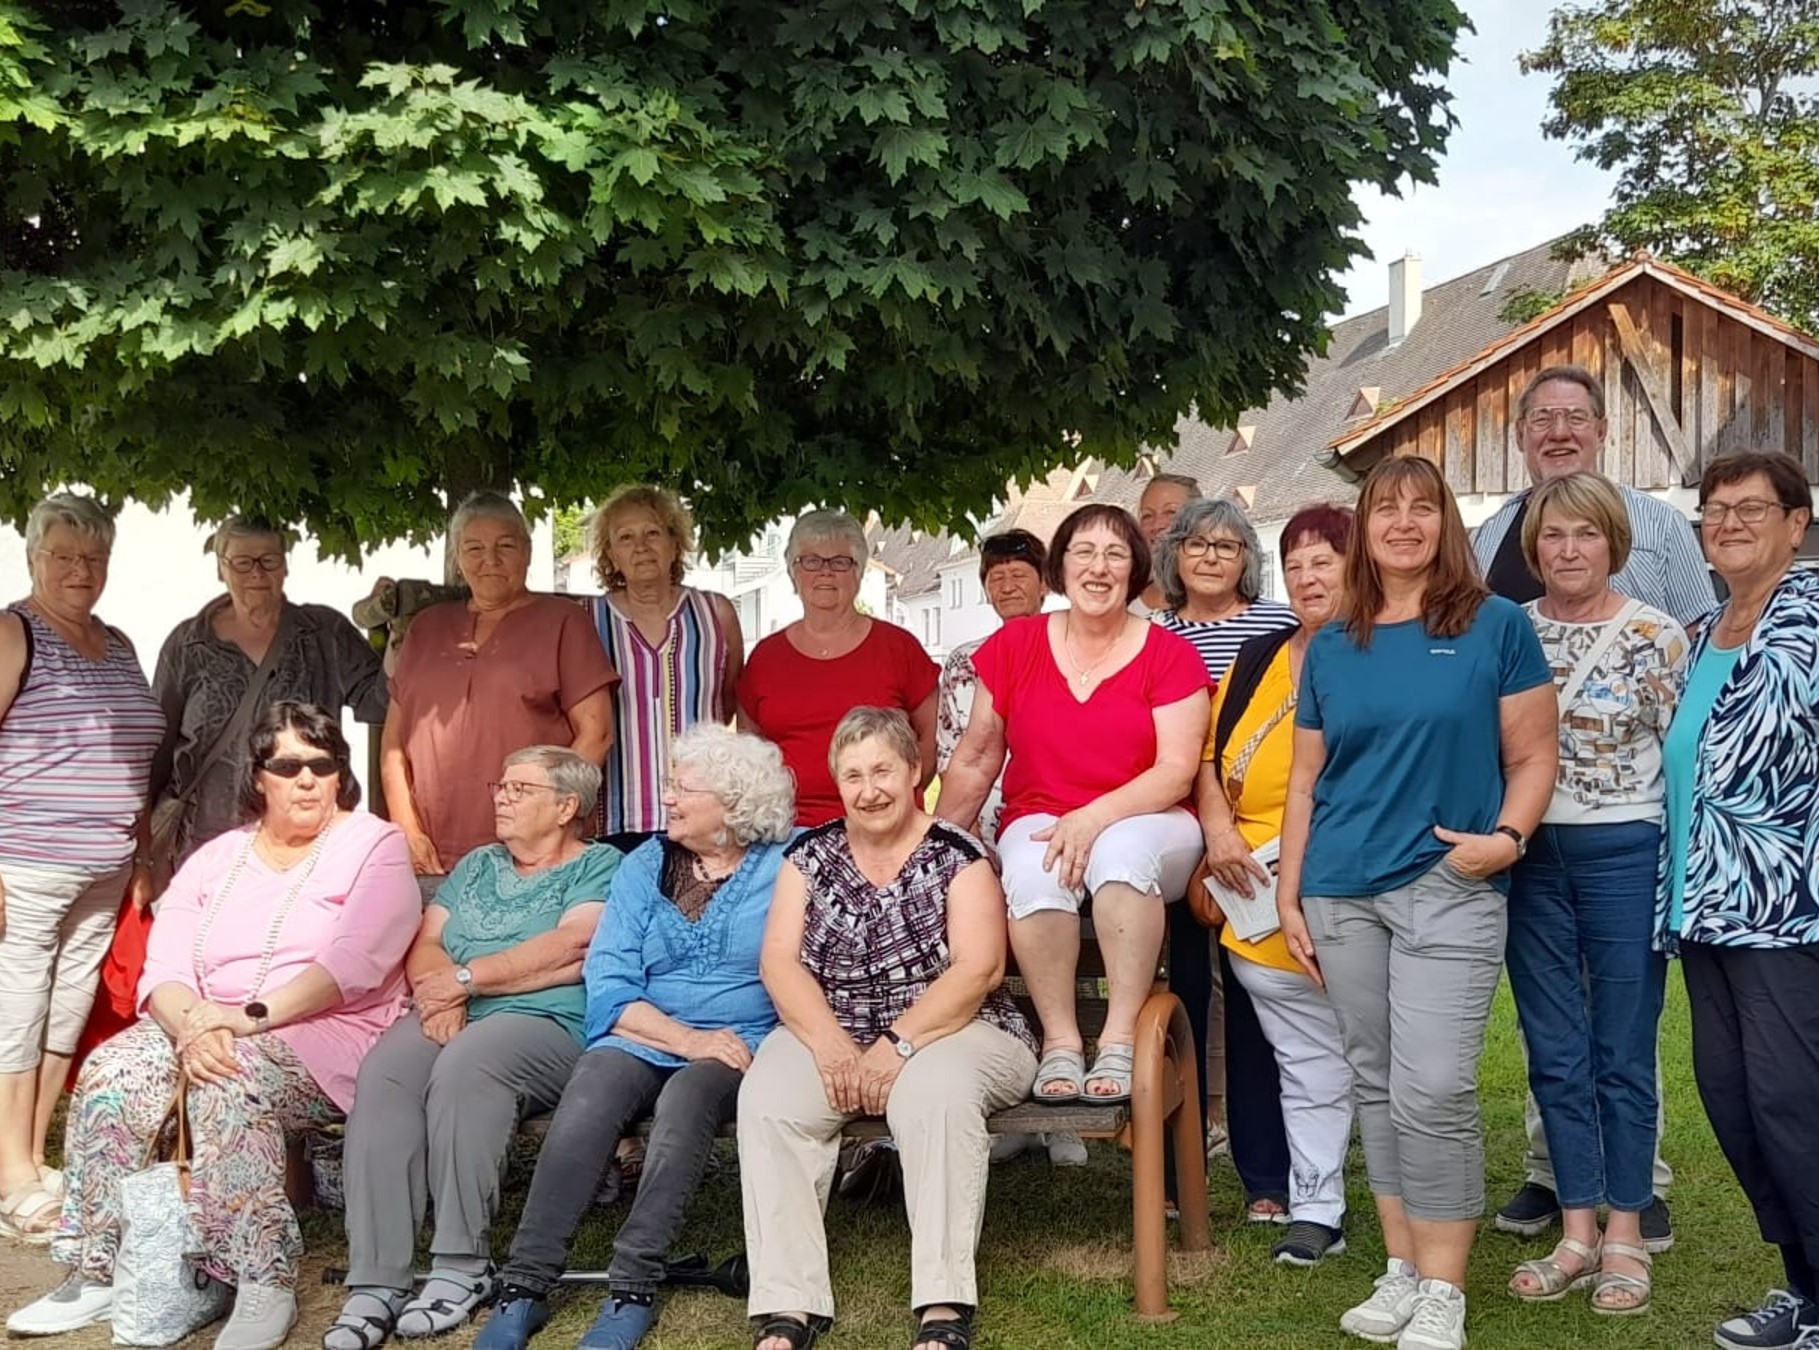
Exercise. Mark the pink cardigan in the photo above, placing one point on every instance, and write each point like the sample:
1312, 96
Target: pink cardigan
355, 917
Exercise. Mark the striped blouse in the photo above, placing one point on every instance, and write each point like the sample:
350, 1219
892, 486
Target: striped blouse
663, 690
76, 751
1218, 642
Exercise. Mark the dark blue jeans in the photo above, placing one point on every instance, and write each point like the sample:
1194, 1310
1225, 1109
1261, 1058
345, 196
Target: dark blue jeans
1588, 987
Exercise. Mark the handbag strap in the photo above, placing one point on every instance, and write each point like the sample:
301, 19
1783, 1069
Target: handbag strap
234, 730
1595, 653
179, 1111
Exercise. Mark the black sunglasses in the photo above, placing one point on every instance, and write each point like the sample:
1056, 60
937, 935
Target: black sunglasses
322, 766
1007, 548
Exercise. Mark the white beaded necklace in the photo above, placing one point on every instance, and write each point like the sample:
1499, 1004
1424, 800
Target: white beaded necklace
269, 952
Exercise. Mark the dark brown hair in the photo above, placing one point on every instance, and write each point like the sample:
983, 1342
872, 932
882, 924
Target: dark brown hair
1454, 589
318, 730
1114, 518
1783, 472
1008, 547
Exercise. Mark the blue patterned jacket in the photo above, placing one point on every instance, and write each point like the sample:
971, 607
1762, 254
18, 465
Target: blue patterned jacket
1753, 849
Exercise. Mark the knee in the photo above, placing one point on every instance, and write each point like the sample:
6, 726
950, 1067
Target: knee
1435, 1097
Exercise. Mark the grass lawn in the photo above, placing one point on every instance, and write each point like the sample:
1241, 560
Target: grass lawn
1054, 1263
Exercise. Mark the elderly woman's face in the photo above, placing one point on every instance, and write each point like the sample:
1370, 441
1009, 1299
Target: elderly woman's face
69, 569
1096, 570
1315, 576
877, 788
1740, 547
527, 807
299, 783
827, 574
1574, 555
254, 569
494, 557
638, 547
697, 815
1014, 589
1211, 564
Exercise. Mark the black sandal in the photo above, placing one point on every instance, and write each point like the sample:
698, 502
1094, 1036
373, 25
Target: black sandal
955, 1333
800, 1335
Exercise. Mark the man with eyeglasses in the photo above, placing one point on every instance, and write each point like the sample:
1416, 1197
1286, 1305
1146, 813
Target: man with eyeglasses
1560, 425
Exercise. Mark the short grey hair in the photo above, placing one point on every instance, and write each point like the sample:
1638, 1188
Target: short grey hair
747, 774
1199, 517
486, 505
819, 526
569, 774
86, 516
247, 527
890, 725
1191, 486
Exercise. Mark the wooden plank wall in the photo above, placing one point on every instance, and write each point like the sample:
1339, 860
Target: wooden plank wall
1740, 389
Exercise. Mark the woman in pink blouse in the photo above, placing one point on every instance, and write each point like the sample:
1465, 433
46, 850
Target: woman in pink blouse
274, 965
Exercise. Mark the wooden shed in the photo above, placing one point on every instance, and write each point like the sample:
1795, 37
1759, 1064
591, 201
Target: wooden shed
1690, 372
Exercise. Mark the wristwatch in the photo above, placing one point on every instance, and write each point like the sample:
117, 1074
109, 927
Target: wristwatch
465, 978
904, 1048
1516, 834
259, 1015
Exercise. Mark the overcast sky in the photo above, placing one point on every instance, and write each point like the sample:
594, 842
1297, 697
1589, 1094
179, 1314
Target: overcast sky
1503, 186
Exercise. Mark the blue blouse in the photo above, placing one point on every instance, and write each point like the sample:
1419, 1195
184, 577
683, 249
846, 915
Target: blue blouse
703, 973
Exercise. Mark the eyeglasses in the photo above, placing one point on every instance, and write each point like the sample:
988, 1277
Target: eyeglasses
249, 563
816, 562
95, 562
1749, 511
513, 791
1223, 549
1085, 555
322, 766
1543, 419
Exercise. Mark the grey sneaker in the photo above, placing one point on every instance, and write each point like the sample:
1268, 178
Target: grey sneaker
1438, 1322
1065, 1150
72, 1305
263, 1316
1383, 1315
1776, 1325
1008, 1146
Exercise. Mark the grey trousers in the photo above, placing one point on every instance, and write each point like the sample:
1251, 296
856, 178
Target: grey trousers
435, 1122
1411, 974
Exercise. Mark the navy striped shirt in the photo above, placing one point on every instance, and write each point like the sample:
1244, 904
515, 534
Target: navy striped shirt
1218, 642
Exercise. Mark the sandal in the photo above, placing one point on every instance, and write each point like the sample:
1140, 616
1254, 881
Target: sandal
798, 1333
434, 1314
1114, 1065
1059, 1066
954, 1333
30, 1214
365, 1331
1641, 1287
1554, 1281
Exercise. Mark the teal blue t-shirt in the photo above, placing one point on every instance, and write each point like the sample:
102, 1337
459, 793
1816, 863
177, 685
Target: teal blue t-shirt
1413, 740
490, 908
1680, 763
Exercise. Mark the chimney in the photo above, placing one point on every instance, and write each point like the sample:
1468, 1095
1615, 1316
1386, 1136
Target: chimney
1405, 296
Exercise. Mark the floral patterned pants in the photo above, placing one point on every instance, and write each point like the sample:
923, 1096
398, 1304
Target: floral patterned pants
249, 1232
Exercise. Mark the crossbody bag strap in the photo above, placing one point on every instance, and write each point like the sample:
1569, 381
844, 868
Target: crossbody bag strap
235, 730
1595, 653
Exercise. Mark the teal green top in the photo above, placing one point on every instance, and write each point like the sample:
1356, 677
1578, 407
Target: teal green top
491, 908
1680, 762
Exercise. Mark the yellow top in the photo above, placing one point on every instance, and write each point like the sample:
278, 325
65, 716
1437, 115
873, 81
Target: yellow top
1264, 794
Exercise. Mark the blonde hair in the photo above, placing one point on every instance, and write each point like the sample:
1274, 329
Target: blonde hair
890, 725
661, 503
1590, 497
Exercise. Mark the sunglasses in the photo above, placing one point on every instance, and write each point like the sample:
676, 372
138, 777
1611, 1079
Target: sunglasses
322, 766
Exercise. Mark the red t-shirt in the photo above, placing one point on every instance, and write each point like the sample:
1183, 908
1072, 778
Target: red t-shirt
798, 700
1065, 753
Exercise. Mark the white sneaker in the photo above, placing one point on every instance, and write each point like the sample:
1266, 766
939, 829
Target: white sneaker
76, 1303
1383, 1315
1439, 1319
263, 1316
1065, 1150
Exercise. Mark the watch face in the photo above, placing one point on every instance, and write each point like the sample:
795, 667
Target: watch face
256, 1011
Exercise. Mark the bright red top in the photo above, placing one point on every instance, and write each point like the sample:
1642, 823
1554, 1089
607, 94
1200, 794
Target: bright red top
1065, 753
798, 700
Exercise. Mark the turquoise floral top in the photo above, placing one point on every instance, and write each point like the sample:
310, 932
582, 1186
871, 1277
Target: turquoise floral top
490, 908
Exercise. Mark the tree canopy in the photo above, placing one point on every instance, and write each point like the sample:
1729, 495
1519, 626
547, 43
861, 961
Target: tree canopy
1708, 111
334, 260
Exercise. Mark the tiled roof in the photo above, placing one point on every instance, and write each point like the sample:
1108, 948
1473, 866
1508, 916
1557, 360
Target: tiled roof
1284, 467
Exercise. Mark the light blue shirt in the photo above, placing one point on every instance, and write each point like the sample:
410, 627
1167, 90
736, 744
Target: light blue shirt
1680, 763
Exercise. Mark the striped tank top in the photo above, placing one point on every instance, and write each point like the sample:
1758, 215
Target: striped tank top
76, 751
662, 691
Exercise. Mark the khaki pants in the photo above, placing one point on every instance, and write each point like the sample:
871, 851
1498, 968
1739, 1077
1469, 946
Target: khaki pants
789, 1139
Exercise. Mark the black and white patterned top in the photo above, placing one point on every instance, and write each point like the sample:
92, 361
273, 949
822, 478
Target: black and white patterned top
876, 949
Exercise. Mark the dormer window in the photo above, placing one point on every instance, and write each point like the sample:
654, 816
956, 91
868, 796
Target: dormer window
1241, 440
1364, 404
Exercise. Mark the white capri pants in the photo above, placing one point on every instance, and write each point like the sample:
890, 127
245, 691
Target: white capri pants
1155, 855
59, 925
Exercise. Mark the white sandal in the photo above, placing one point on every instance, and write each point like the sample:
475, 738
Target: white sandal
1640, 1287
30, 1214
1553, 1281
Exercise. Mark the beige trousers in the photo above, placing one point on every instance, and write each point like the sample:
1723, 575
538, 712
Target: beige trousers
789, 1139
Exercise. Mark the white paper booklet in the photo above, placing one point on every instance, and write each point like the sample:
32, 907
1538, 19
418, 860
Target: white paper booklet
1252, 916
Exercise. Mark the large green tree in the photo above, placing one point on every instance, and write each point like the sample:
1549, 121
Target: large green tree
1709, 112
335, 259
